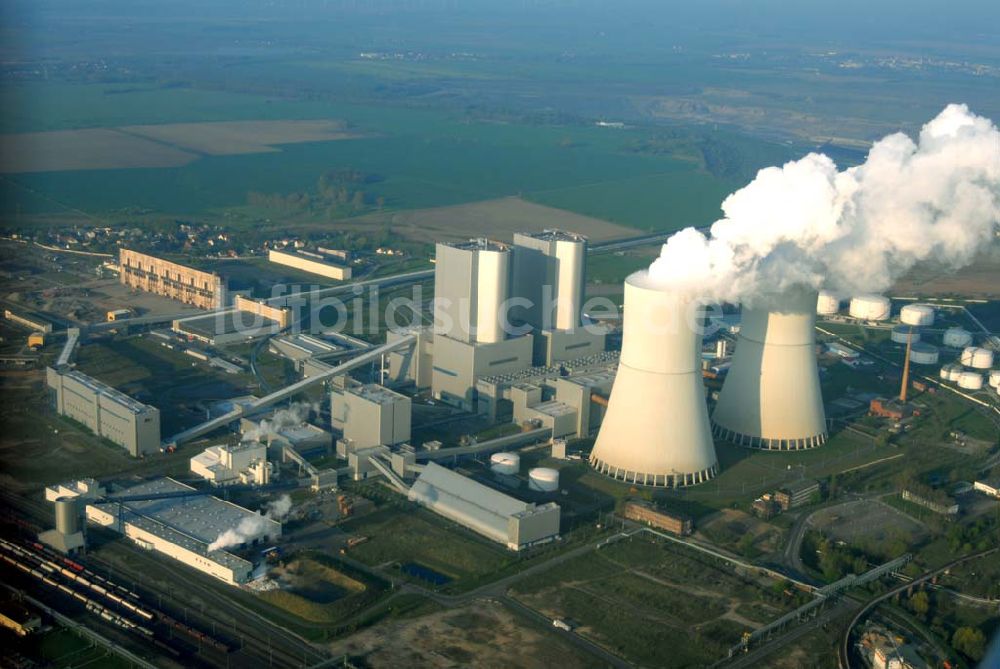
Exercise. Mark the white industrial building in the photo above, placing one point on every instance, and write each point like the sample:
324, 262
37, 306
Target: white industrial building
106, 412
472, 337
549, 278
369, 415
84, 489
226, 464
314, 263
486, 511
184, 527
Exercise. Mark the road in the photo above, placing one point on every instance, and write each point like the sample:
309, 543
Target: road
844, 659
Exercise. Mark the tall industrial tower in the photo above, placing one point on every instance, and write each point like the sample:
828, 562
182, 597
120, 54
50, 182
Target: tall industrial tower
771, 398
471, 336
656, 430
549, 280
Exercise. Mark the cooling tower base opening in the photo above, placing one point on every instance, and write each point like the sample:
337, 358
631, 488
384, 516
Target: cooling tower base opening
673, 480
765, 444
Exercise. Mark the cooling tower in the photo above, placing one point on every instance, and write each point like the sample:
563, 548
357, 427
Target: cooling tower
771, 397
656, 431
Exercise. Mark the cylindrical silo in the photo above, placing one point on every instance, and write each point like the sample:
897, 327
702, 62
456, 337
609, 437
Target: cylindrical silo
957, 337
543, 479
923, 353
827, 303
977, 358
917, 314
67, 515
656, 431
771, 398
970, 380
505, 463
870, 307
902, 334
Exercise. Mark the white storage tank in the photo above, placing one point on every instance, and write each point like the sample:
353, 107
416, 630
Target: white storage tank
970, 380
995, 378
923, 353
827, 303
543, 479
957, 337
903, 333
977, 358
870, 307
917, 314
505, 463
951, 372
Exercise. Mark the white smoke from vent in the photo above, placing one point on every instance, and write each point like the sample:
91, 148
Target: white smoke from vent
295, 415
852, 231
251, 527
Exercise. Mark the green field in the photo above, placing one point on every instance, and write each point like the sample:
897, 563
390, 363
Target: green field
423, 158
640, 597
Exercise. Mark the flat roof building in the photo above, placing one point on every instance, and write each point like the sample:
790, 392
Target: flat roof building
106, 412
483, 510
370, 415
184, 528
314, 263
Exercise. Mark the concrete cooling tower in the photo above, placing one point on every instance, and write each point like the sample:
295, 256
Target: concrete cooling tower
656, 431
771, 397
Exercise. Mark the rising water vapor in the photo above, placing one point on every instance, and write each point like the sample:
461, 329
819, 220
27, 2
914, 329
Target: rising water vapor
851, 231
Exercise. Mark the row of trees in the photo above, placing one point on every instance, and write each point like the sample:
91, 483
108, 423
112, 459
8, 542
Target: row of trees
338, 192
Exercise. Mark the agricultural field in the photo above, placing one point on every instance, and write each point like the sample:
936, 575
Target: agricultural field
644, 599
422, 159
167, 145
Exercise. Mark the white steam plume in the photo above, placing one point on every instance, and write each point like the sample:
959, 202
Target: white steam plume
251, 527
852, 231
296, 414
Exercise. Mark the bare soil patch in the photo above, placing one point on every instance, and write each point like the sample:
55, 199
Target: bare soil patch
227, 138
482, 634
497, 219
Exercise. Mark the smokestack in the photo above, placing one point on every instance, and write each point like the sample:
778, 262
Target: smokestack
771, 397
656, 430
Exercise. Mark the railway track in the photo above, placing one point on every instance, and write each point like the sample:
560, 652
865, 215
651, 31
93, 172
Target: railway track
247, 636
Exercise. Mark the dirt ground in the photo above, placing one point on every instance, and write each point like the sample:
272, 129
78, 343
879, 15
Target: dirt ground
169, 145
497, 219
868, 521
980, 280
734, 523
483, 634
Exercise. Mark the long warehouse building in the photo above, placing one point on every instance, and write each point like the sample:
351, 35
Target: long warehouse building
483, 510
314, 263
107, 412
185, 528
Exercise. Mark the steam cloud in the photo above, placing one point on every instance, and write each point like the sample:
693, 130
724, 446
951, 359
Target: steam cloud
852, 231
295, 415
253, 526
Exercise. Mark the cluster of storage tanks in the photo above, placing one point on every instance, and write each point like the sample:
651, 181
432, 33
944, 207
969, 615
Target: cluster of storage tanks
540, 479
973, 362
964, 372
